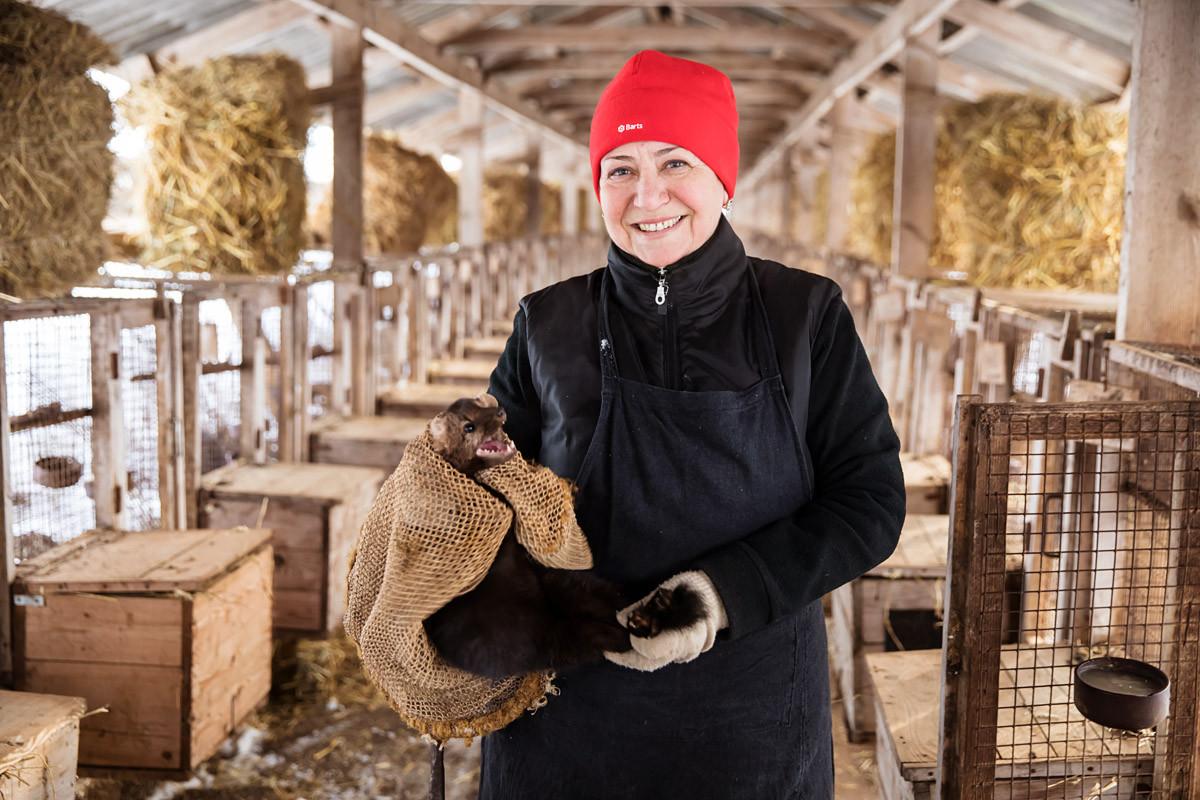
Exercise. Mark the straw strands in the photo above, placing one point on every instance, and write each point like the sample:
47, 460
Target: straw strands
225, 191
506, 207
55, 166
1029, 194
406, 196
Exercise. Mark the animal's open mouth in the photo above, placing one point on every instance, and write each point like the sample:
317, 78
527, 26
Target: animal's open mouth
495, 447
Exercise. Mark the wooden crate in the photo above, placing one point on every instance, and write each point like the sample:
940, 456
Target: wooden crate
1030, 715
315, 511
910, 580
363, 441
423, 400
485, 347
1156, 372
170, 630
39, 745
895, 606
926, 483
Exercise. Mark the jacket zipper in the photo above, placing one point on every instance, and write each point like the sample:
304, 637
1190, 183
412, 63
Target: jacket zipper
670, 351
660, 293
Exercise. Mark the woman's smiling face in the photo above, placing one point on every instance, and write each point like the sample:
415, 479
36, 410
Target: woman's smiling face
660, 201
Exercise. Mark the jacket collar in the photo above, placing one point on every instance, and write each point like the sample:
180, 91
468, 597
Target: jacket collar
699, 284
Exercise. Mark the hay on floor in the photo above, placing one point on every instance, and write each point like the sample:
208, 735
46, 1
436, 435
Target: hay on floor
225, 191
55, 166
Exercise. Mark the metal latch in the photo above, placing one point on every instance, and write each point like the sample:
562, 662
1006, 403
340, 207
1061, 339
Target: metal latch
29, 600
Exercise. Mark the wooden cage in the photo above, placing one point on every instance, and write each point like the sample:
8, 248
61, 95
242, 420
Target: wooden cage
1113, 568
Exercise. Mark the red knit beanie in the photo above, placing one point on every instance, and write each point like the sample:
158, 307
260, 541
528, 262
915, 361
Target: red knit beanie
658, 98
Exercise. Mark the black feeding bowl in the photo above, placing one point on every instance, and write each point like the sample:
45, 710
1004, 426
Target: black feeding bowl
1122, 693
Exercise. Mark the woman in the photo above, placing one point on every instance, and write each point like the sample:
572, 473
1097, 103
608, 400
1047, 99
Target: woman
724, 428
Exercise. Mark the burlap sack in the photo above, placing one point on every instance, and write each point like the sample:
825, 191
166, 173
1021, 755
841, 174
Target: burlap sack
431, 536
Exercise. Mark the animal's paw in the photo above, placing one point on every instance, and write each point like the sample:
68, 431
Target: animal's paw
666, 609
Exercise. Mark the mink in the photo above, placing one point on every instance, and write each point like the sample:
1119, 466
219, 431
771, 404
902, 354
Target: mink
523, 617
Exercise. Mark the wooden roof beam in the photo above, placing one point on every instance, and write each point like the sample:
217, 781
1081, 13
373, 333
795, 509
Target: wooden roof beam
602, 66
586, 38
885, 42
385, 29
655, 3
1058, 49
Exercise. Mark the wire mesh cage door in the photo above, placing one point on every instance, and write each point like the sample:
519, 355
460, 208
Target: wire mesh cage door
1100, 503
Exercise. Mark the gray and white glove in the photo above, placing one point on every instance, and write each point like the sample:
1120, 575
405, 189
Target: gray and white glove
674, 645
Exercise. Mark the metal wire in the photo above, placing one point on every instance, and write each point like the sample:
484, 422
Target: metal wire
219, 407
1106, 498
139, 395
48, 385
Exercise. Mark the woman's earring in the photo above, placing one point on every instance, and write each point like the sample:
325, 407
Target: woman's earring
727, 209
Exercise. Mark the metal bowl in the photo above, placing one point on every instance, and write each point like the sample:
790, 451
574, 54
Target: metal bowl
57, 472
1122, 693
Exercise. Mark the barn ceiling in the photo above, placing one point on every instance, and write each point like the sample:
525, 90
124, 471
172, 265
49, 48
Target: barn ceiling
544, 63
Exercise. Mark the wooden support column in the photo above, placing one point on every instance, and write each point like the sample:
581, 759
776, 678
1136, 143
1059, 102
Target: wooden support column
169, 396
341, 400
842, 163
254, 384
8, 569
570, 206
189, 379
108, 422
787, 195
533, 187
916, 151
347, 147
287, 374
1159, 298
302, 383
470, 176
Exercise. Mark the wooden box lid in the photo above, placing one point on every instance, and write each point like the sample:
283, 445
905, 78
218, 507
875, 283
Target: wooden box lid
140, 561
925, 470
26, 716
326, 483
921, 551
401, 430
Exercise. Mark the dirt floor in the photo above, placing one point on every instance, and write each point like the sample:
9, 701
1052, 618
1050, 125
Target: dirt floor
327, 735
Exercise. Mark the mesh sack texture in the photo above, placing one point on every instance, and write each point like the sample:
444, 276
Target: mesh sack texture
431, 536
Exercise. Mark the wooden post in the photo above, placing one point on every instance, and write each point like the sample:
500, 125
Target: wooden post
470, 176
288, 374
253, 446
362, 349
533, 187
8, 570
346, 57
842, 163
108, 422
170, 414
301, 348
570, 207
787, 196
916, 154
190, 384
1159, 299
343, 348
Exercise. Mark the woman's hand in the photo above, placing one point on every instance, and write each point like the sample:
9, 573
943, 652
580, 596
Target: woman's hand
673, 624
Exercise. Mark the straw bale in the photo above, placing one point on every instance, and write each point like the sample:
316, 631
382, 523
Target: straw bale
225, 188
506, 211
55, 166
406, 196
1028, 194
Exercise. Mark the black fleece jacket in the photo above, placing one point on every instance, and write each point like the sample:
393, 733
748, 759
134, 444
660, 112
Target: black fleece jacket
548, 380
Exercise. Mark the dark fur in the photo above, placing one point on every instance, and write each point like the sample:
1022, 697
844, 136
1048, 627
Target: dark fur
666, 609
525, 617
522, 617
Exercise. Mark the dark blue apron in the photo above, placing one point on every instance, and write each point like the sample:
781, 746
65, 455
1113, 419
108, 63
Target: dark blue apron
668, 476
